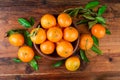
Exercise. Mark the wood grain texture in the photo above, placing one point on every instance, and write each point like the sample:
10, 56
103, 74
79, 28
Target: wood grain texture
104, 67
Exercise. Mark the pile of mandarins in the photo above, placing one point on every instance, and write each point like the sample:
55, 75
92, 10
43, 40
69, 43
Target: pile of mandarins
55, 34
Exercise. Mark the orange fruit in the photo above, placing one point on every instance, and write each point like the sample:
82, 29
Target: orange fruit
98, 30
72, 63
16, 39
25, 53
47, 47
38, 35
86, 42
64, 20
48, 21
70, 34
54, 34
59, 41
64, 49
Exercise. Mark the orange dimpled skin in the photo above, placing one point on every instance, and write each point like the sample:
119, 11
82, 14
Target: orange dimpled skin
64, 20
72, 63
48, 21
47, 47
25, 53
38, 35
54, 34
64, 49
16, 39
70, 34
86, 42
98, 31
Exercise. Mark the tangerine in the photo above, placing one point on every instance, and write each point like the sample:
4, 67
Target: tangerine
16, 39
64, 20
72, 63
48, 21
38, 35
47, 47
70, 34
64, 49
98, 31
25, 53
86, 42
54, 34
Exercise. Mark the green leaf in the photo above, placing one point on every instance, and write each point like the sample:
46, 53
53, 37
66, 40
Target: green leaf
101, 10
24, 22
37, 57
71, 9
83, 56
68, 10
91, 12
96, 50
33, 64
17, 60
72, 13
96, 41
88, 17
108, 31
21, 31
92, 5
100, 20
32, 21
9, 33
27, 38
91, 23
76, 12
82, 22
58, 64
87, 13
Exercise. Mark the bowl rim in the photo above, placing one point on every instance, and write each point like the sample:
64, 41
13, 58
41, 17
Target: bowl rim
56, 58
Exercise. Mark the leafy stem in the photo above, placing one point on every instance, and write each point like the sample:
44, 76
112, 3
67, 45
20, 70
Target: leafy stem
34, 33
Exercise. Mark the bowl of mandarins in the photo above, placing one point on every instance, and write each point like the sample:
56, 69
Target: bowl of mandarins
55, 37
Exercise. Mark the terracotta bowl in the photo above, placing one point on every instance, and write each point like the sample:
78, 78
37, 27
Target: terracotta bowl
54, 55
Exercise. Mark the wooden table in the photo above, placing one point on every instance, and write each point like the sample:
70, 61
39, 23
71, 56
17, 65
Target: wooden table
104, 67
